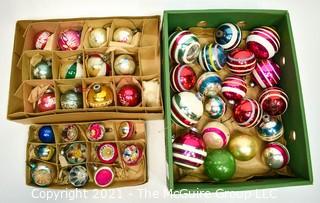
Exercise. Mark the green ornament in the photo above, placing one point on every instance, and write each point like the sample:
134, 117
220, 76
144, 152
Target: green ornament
219, 165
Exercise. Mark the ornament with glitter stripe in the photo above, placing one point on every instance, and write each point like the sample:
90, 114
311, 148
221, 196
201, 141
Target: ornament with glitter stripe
212, 58
275, 155
209, 84
247, 113
274, 101
189, 150
184, 47
264, 42
228, 36
41, 39
72, 69
69, 40
241, 62
266, 73
215, 135
183, 78
186, 109
215, 107
270, 129
234, 88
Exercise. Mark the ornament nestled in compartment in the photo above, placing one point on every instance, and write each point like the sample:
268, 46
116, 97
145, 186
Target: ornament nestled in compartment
98, 65
228, 36
264, 42
186, 109
107, 153
99, 95
270, 129
126, 130
46, 134
103, 176
212, 58
123, 34
151, 93
234, 88
132, 154
129, 95
184, 47
247, 113
266, 73
209, 84
41, 39
95, 131
71, 99
97, 37
215, 135
75, 153
243, 147
42, 69
47, 101
241, 62
219, 165
78, 176
70, 133
69, 40
44, 152
275, 155
72, 69
182, 78
274, 101
189, 150
42, 174
215, 107
124, 65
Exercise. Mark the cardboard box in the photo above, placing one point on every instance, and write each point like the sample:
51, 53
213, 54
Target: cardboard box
296, 135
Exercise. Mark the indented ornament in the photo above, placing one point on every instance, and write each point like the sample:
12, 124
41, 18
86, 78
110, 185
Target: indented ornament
103, 176
212, 58
182, 78
46, 134
95, 131
47, 101
209, 84
123, 34
71, 100
70, 133
243, 147
97, 66
44, 152
270, 129
78, 176
69, 40
72, 69
75, 153
41, 39
247, 113
99, 95
241, 62
42, 174
42, 70
275, 155
266, 73
228, 36
234, 88
126, 130
97, 37
132, 154
107, 153
215, 135
129, 95
124, 65
274, 101
215, 107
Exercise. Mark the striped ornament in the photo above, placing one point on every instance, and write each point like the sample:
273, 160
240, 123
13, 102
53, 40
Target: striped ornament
182, 78
215, 107
247, 113
274, 101
270, 129
234, 88
266, 73
189, 150
186, 109
184, 47
264, 42
228, 36
241, 62
215, 135
275, 155
212, 58
72, 70
209, 84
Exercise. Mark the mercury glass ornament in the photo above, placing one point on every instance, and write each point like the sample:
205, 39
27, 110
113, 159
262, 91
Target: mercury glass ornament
71, 100
97, 66
97, 37
270, 129
132, 154
75, 153
107, 153
46, 134
41, 39
126, 129
47, 102
243, 147
42, 174
69, 40
123, 34
103, 176
70, 133
42, 70
99, 95
215, 107
72, 69
124, 65
78, 176
275, 155
45, 152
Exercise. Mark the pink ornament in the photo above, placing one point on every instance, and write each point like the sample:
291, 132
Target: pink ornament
95, 132
215, 135
41, 39
274, 101
234, 88
104, 176
107, 153
183, 78
241, 62
266, 73
69, 40
247, 113
47, 102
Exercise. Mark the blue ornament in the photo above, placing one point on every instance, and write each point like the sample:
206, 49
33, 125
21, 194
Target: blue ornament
215, 107
46, 134
270, 129
212, 58
209, 84
228, 36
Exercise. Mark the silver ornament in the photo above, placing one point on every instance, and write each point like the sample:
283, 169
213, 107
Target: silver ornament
124, 65
71, 100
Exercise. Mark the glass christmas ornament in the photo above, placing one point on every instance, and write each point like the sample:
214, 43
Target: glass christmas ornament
97, 66
103, 176
266, 73
41, 39
124, 65
75, 153
270, 129
241, 62
228, 36
95, 131
215, 107
42, 70
182, 78
46, 134
44, 152
47, 101
70, 133
69, 40
247, 113
97, 37
215, 135
275, 155
42, 174
129, 95
123, 34
212, 58
99, 95
72, 69
234, 88
126, 130
71, 99
78, 176
243, 147
274, 101
132, 154
107, 153
209, 84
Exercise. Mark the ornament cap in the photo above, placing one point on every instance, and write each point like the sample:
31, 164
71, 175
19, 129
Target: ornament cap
96, 88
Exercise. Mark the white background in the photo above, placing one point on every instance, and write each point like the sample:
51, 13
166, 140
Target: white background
304, 17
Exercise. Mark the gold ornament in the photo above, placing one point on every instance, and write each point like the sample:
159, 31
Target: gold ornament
99, 95
124, 65
123, 34
243, 147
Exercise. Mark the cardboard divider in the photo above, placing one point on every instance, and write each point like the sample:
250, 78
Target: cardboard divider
147, 59
74, 25
100, 52
150, 33
89, 25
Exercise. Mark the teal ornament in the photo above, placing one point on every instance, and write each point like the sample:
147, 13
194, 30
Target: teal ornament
78, 176
212, 58
42, 174
215, 107
44, 152
209, 84
43, 70
270, 128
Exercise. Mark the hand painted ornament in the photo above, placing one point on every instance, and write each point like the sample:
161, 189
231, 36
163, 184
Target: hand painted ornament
42, 70
247, 113
78, 176
215, 135
270, 129
129, 95
132, 154
209, 84
241, 62
123, 34
107, 153
97, 37
243, 147
95, 131
228, 36
264, 42
70, 133
47, 102
186, 109
274, 101
234, 88
97, 66
99, 95
266, 73
212, 58
75, 153
46, 134
69, 40
275, 155
124, 65
41, 39
183, 78
103, 176
215, 107
126, 130
42, 174
219, 165
184, 47
71, 100
189, 150
44, 152
72, 69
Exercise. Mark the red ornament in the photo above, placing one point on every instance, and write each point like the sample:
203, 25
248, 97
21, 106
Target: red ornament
41, 39
234, 88
129, 95
241, 62
274, 101
69, 40
47, 102
247, 113
183, 78
107, 153
266, 73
